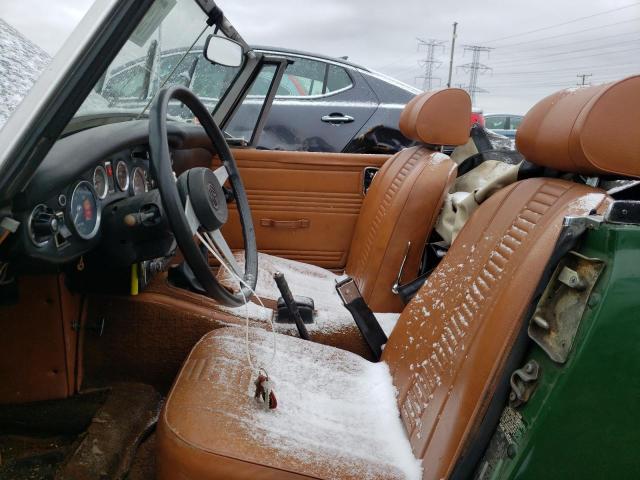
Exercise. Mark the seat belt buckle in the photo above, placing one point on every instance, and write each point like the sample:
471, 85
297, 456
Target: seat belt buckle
348, 290
362, 315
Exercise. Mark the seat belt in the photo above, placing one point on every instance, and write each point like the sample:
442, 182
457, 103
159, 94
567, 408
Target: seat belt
362, 315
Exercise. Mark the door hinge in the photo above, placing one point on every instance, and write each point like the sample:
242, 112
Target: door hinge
523, 383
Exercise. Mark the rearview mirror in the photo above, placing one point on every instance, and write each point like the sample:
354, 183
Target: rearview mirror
223, 51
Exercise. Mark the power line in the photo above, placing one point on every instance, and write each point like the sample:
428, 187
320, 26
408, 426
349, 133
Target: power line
530, 86
474, 68
558, 70
520, 63
564, 23
567, 52
543, 39
570, 82
553, 73
518, 86
429, 63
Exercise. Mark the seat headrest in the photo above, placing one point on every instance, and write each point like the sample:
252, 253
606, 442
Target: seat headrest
587, 130
440, 117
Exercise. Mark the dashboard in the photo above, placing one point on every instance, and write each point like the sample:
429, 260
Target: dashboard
69, 221
76, 202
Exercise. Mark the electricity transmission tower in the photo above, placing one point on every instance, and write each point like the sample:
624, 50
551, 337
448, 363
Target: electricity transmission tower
475, 68
584, 77
430, 64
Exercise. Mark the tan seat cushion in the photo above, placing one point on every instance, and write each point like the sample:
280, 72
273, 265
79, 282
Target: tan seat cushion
337, 415
304, 280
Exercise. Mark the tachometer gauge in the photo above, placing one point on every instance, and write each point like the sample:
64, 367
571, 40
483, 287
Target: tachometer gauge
100, 182
84, 211
138, 181
122, 176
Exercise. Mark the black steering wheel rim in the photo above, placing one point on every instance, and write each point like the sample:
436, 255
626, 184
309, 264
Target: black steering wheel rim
173, 203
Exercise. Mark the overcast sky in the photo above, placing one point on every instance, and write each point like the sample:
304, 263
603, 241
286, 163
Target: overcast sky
538, 47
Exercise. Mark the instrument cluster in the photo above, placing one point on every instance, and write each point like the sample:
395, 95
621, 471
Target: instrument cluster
72, 218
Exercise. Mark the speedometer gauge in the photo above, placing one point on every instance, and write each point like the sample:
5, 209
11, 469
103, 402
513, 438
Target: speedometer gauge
100, 182
138, 181
122, 176
84, 211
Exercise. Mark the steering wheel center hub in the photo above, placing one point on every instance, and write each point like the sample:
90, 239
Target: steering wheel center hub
213, 196
207, 198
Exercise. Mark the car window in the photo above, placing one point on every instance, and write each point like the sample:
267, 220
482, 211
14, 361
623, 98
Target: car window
128, 83
245, 118
182, 75
515, 122
261, 84
212, 80
495, 122
206, 80
305, 77
337, 78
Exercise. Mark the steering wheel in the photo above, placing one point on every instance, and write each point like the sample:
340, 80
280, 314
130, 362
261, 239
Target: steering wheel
196, 202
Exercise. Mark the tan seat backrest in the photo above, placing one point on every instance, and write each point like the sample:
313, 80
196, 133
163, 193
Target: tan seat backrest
401, 206
405, 198
452, 340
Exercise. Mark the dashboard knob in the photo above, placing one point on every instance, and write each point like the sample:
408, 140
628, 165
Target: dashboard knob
44, 224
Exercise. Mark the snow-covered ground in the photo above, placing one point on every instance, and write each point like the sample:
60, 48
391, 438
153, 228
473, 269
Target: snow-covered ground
21, 62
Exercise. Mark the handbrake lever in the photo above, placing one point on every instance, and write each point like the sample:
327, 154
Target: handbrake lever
283, 286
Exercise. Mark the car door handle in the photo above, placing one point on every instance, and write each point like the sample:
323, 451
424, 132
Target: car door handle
288, 224
337, 118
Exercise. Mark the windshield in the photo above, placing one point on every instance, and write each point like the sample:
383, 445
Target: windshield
165, 49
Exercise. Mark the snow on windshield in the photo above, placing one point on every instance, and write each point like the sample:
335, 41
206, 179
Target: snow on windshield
21, 62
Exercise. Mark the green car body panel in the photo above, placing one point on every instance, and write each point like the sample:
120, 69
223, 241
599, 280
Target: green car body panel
582, 418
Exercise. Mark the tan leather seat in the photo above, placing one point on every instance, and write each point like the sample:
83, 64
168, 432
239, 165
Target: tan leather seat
401, 206
445, 356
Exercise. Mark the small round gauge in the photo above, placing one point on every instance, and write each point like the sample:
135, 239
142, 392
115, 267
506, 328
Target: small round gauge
84, 211
100, 182
122, 176
138, 181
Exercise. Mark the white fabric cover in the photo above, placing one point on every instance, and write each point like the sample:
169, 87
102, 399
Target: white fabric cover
469, 191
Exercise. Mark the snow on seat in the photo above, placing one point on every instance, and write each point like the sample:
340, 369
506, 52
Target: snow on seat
337, 415
304, 280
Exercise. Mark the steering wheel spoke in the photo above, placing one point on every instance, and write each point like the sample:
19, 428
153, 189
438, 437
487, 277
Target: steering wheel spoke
227, 255
190, 214
222, 174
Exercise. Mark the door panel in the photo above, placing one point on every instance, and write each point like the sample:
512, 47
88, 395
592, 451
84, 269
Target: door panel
304, 204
